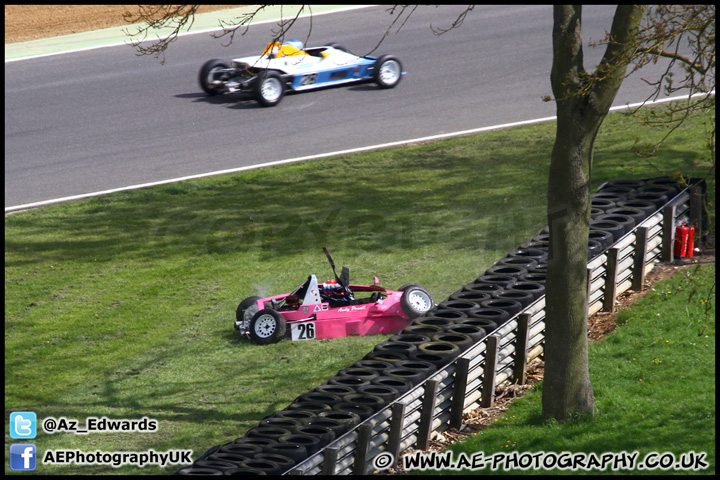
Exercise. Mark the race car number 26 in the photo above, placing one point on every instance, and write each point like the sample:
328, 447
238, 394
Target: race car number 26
308, 79
303, 331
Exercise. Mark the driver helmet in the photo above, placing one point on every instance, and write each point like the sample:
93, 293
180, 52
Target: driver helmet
295, 43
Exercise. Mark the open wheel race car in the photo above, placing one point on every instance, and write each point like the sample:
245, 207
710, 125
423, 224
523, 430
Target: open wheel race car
330, 310
281, 68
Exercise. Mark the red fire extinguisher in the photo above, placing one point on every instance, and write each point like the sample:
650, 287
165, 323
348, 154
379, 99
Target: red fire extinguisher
681, 240
691, 242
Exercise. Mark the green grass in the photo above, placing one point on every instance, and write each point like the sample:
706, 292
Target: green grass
122, 305
654, 385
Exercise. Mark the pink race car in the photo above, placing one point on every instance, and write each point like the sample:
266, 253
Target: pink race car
330, 310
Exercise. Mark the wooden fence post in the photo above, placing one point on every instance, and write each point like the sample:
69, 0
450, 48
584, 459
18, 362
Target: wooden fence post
397, 423
610, 280
361, 451
459, 390
639, 258
488, 387
521, 345
668, 233
329, 460
426, 413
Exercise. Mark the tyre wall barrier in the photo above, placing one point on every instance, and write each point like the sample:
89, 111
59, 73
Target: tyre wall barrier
436, 401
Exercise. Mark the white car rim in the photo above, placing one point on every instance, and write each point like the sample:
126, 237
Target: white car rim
271, 89
389, 72
419, 301
265, 326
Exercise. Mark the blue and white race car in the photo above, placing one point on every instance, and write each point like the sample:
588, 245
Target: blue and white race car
284, 67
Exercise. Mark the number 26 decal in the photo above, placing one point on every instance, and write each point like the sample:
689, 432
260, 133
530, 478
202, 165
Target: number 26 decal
303, 331
308, 79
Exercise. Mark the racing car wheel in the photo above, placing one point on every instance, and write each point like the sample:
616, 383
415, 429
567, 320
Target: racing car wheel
267, 326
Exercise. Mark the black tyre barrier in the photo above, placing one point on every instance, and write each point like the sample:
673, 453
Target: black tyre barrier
484, 323
338, 390
437, 360
421, 330
503, 280
472, 331
391, 346
348, 419
536, 254
244, 471
531, 277
199, 471
536, 289
453, 306
325, 434
385, 392
667, 181
437, 322
391, 357
635, 213
315, 407
604, 237
608, 226
541, 236
377, 364
216, 464
543, 245
627, 222
349, 380
523, 262
285, 463
234, 458
632, 184
611, 196
524, 298
594, 212
324, 398
506, 269
444, 349
304, 416
475, 297
264, 443
541, 268
311, 443
209, 452
657, 188
462, 341
648, 207
602, 203
408, 374
270, 468
273, 433
452, 314
241, 449
373, 401
427, 368
511, 306
339, 428
362, 372
658, 199
481, 288
294, 451
594, 248
495, 314
413, 338
288, 423
363, 411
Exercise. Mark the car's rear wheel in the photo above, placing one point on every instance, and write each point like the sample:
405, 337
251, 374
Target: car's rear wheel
387, 72
246, 310
415, 300
212, 72
267, 326
269, 89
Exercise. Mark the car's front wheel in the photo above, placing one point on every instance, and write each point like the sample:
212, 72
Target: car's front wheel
415, 300
269, 89
212, 73
387, 72
246, 310
267, 326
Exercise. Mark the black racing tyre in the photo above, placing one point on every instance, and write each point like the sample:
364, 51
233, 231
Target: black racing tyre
303, 416
264, 443
627, 222
666, 181
281, 422
452, 314
648, 207
325, 398
594, 248
385, 392
608, 226
379, 365
199, 471
241, 448
437, 360
504, 281
325, 434
372, 401
475, 297
495, 314
393, 346
209, 452
523, 298
311, 443
273, 433
537, 290
310, 406
362, 372
216, 464
658, 188
538, 255
413, 338
531, 277
338, 390
487, 325
267, 326
436, 322
472, 331
387, 71
234, 458
481, 287
415, 300
339, 428
418, 329
428, 368
266, 466
284, 461
445, 349
523, 262
635, 213
293, 451
349, 380
511, 306
454, 305
633, 184
400, 384
462, 341
246, 309
659, 199
611, 196
363, 411
507, 269
269, 88
386, 356
604, 237
349, 419
602, 203
212, 71
408, 374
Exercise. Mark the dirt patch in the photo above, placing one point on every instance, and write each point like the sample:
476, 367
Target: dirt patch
32, 22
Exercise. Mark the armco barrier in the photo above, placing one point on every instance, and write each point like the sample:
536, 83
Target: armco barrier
469, 380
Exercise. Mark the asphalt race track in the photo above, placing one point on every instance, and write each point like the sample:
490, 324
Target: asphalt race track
106, 119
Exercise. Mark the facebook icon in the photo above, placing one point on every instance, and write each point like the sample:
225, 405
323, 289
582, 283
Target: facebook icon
23, 456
